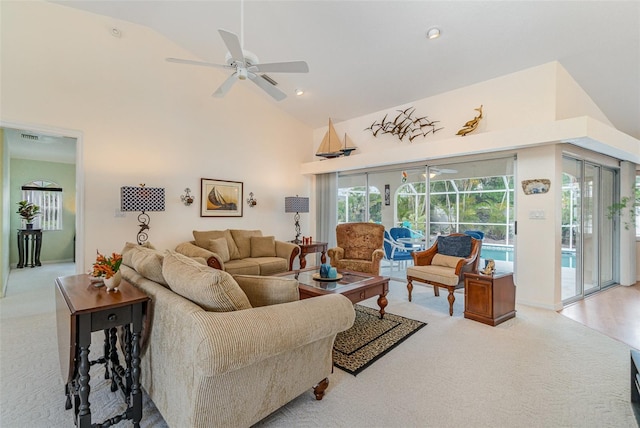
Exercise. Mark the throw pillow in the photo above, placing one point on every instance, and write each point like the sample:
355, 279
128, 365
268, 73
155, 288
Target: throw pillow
202, 240
263, 246
126, 251
220, 247
242, 239
211, 289
457, 246
447, 261
148, 263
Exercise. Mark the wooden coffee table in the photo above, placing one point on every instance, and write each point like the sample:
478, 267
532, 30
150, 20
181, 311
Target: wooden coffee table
356, 286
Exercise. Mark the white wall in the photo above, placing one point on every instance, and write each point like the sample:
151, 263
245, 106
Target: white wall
144, 120
530, 113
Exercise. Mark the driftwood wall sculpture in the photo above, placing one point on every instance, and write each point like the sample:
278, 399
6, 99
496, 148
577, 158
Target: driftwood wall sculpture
405, 125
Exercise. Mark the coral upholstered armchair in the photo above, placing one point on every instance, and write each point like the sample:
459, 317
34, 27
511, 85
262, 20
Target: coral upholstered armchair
359, 247
444, 264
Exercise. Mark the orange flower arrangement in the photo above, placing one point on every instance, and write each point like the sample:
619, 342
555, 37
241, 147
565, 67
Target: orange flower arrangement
106, 266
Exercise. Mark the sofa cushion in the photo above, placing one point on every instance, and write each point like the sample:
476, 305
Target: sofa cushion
126, 251
242, 267
270, 265
148, 263
446, 261
263, 246
242, 239
202, 240
211, 289
221, 248
457, 246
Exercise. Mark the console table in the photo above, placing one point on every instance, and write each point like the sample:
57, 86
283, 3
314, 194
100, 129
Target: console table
314, 247
489, 299
29, 245
82, 308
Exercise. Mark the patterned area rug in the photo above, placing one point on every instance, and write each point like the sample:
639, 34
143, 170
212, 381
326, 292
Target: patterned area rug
370, 338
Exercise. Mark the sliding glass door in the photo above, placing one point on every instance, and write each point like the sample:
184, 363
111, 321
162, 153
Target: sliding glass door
589, 235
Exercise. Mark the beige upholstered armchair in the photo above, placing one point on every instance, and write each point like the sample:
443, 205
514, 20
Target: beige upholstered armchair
359, 247
444, 264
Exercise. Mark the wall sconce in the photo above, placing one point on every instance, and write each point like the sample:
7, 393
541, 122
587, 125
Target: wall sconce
187, 198
251, 201
142, 199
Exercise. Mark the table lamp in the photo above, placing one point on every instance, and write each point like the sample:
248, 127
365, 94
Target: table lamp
296, 204
142, 199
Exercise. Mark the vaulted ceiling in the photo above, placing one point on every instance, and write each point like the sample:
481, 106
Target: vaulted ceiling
366, 56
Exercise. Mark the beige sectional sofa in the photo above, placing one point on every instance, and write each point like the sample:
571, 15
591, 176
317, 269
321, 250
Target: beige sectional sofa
227, 351
241, 252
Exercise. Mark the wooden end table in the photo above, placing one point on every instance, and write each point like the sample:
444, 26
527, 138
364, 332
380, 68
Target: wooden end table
356, 286
314, 247
489, 299
82, 308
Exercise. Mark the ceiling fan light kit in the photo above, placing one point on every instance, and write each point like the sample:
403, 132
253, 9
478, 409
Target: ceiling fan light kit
433, 33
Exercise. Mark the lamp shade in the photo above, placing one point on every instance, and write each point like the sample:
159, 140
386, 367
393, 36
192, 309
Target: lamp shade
296, 204
141, 198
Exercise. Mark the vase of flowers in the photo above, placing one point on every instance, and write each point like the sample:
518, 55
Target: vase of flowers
108, 268
28, 211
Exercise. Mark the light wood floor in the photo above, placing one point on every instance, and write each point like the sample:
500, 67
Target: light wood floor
614, 312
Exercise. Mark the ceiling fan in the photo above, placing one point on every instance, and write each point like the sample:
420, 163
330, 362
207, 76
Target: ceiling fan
434, 172
246, 65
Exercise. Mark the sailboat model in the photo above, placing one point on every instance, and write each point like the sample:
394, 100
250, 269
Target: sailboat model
348, 145
331, 146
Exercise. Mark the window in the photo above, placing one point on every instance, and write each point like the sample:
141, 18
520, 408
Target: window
48, 196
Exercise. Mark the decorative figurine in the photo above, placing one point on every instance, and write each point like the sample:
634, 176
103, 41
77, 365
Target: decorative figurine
490, 267
471, 125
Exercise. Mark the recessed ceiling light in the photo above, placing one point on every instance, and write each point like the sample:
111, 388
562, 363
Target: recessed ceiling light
299, 92
433, 33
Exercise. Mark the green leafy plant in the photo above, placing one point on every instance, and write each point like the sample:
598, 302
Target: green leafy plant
28, 211
615, 210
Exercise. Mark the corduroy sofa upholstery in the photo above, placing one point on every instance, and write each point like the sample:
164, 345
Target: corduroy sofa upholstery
232, 368
241, 252
359, 247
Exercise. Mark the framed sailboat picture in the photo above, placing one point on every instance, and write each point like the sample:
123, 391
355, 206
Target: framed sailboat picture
220, 198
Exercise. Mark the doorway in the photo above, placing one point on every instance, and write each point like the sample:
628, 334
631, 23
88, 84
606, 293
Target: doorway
41, 153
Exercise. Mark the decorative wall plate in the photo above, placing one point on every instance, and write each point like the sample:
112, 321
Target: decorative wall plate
536, 186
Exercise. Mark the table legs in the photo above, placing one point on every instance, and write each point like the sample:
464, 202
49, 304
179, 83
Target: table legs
127, 379
382, 303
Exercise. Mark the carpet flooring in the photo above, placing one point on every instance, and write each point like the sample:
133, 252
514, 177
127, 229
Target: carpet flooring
539, 369
370, 338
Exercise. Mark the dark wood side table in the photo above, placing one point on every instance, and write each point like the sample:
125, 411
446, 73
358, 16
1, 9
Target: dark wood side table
314, 247
82, 308
489, 299
29, 245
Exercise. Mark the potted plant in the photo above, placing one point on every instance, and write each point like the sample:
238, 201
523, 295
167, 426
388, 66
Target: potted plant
109, 268
28, 211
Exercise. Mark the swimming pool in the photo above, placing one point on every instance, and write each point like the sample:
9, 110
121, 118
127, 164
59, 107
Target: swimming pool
505, 253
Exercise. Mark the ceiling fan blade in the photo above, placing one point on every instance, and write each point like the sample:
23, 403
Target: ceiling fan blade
226, 85
233, 44
281, 67
267, 87
206, 64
